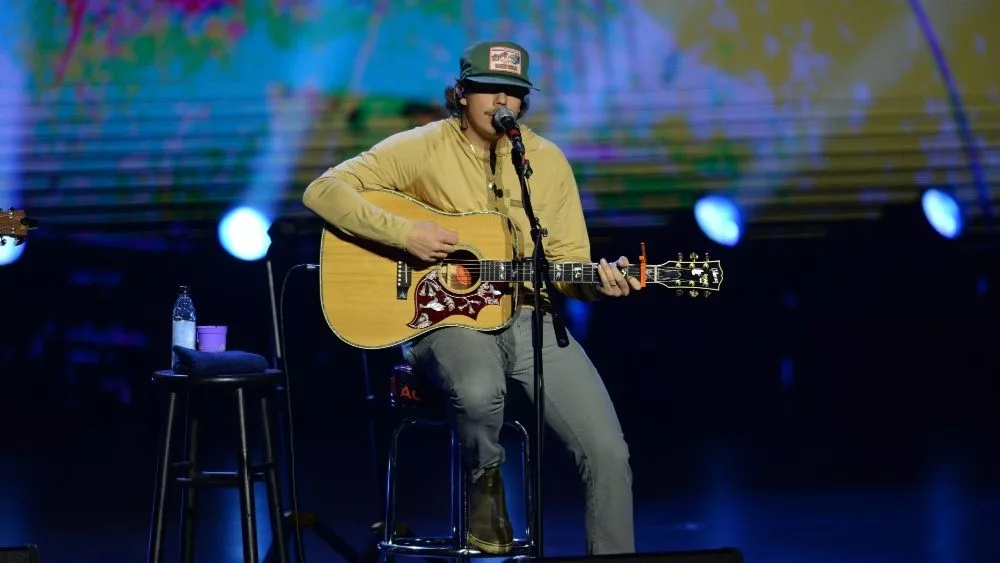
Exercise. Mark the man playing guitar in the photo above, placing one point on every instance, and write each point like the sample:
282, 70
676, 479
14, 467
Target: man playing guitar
462, 164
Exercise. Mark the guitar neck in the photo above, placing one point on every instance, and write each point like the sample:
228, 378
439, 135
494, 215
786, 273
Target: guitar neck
566, 272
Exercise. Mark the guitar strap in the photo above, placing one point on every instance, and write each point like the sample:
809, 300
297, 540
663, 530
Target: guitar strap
558, 306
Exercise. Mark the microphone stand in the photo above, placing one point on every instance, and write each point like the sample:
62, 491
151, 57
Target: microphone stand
539, 275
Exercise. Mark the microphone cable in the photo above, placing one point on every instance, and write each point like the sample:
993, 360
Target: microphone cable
288, 405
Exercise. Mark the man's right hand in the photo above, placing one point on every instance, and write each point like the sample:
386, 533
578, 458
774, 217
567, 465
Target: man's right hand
430, 242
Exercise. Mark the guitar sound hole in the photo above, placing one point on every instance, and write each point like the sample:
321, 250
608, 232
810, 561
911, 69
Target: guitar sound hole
460, 271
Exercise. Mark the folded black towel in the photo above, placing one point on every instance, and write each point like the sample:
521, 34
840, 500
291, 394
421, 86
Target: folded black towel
206, 364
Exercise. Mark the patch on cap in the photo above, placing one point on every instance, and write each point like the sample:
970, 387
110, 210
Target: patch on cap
505, 59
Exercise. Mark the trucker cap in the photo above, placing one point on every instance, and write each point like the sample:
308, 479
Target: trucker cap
495, 62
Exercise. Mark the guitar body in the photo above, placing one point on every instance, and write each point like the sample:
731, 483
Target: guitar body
376, 296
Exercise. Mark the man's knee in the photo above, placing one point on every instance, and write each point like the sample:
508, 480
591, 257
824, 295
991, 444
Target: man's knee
478, 395
613, 451
604, 454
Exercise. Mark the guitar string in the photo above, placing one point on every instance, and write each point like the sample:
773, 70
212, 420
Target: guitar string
472, 266
481, 262
528, 261
478, 269
481, 265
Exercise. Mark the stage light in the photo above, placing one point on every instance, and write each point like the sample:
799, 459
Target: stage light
942, 212
243, 233
10, 253
719, 219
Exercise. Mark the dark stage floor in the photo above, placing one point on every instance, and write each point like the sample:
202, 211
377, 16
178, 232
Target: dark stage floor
78, 483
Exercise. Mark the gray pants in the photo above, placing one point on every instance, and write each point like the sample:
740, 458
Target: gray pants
473, 367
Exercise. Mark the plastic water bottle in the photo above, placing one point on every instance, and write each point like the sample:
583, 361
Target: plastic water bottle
184, 323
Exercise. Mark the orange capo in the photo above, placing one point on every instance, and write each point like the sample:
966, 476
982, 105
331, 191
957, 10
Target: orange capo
642, 265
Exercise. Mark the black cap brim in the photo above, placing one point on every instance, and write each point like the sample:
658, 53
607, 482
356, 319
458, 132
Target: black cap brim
501, 80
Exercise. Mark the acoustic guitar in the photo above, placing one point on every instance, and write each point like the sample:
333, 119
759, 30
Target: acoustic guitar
376, 296
15, 224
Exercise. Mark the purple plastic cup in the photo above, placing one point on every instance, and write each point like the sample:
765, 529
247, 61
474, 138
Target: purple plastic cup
211, 338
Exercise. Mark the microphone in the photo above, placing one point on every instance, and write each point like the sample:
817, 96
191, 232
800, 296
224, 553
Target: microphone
503, 120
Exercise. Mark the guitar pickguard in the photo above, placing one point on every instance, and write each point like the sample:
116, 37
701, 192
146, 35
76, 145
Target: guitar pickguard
433, 302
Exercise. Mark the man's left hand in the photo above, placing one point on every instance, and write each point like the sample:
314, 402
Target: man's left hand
613, 283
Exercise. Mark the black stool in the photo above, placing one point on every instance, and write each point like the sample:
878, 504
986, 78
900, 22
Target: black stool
190, 477
420, 403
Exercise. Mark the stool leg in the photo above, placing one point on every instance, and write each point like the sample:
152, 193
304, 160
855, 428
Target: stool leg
188, 500
273, 492
459, 521
390, 482
528, 471
249, 520
154, 552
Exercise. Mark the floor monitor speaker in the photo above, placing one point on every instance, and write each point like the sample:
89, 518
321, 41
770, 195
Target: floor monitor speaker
23, 554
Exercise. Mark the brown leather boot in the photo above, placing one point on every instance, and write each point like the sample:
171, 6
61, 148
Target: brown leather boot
489, 527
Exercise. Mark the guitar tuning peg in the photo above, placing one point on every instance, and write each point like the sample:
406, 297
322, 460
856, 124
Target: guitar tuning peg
693, 293
680, 292
693, 256
680, 257
707, 293
707, 257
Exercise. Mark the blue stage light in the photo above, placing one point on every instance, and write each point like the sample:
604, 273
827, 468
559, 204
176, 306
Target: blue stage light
10, 253
719, 219
942, 212
243, 233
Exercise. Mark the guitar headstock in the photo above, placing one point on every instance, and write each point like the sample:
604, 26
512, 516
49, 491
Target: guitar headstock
693, 276
14, 224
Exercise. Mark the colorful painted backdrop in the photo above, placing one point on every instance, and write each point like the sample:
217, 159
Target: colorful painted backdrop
800, 109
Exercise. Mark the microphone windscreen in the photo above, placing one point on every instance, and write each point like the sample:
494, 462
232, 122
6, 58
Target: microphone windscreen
500, 115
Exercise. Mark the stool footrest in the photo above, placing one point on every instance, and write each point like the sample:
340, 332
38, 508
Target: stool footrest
186, 466
219, 478
445, 546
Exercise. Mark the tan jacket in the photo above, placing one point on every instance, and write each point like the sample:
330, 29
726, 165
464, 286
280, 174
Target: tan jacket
437, 165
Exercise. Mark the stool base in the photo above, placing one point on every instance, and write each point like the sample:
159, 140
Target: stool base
456, 544
444, 547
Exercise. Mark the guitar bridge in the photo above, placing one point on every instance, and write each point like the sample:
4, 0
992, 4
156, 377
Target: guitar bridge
404, 277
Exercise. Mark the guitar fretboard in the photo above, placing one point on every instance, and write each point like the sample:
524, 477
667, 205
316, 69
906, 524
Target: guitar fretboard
570, 272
